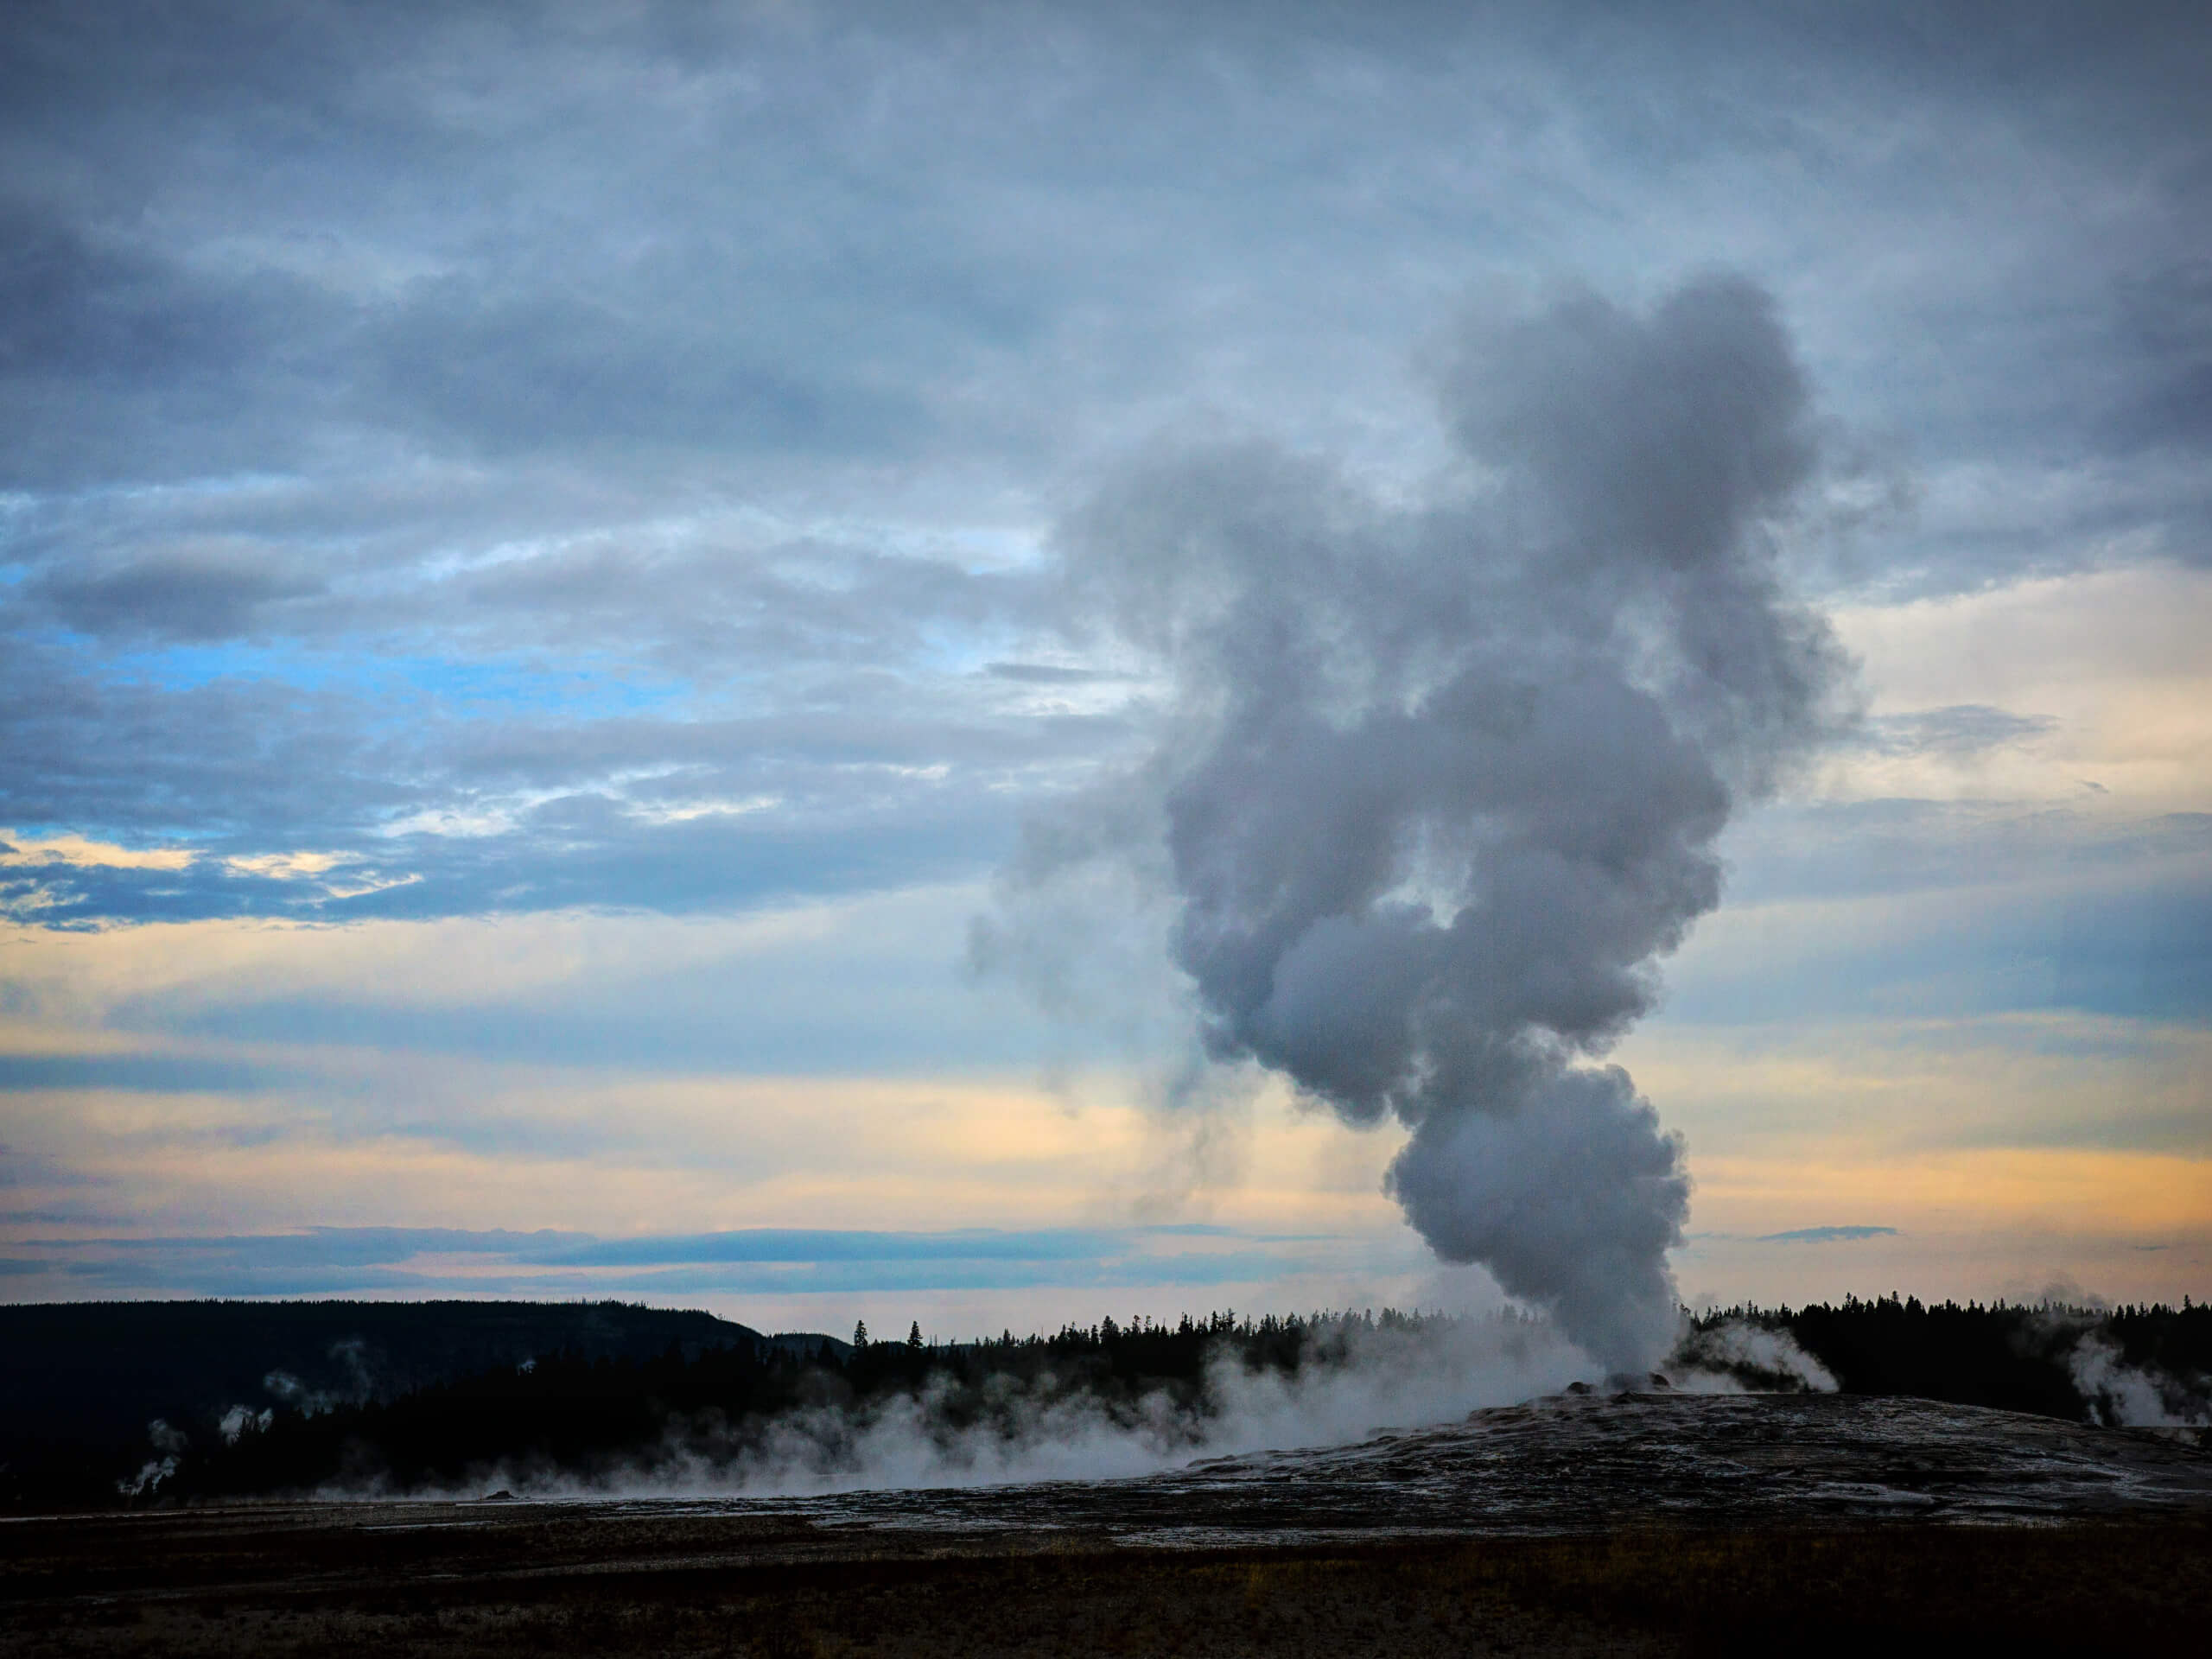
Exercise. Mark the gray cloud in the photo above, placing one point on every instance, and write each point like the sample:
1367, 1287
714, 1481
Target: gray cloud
1991, 909
1044, 673
116, 363
520, 375
185, 597
1855, 850
75, 309
333, 1261
393, 395
160, 1073
2169, 313
1961, 729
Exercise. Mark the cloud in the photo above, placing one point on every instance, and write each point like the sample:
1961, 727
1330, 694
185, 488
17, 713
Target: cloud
1961, 729
1826, 1234
333, 1261
117, 361
615, 807
182, 597
77, 852
1915, 911
156, 1073
511, 376
638, 397
1046, 673
2169, 312
788, 1245
75, 309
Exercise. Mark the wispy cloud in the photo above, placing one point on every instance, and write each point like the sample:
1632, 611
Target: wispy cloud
152, 1073
1961, 729
330, 1260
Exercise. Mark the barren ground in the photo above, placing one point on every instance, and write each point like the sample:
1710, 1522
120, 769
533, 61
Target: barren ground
1641, 1524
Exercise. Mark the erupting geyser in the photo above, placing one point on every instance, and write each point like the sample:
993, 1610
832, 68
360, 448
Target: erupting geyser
1440, 783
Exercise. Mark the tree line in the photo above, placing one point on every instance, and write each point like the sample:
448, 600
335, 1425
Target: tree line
2037, 1358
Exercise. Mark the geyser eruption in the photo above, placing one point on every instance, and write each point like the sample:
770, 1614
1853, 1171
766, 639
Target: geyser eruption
1439, 782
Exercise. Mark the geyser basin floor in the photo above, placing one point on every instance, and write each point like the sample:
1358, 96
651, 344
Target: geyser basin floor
1644, 1523
1572, 1463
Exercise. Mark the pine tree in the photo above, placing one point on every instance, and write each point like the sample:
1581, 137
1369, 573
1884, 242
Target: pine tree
860, 1333
914, 1336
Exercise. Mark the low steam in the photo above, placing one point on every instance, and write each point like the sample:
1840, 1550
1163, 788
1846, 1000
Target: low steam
1358, 1377
2117, 1393
1740, 1354
1437, 782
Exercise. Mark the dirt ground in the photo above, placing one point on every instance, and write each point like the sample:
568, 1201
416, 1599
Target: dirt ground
1789, 1526
474, 1579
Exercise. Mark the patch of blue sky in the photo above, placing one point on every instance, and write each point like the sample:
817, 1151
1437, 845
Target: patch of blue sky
336, 1261
480, 686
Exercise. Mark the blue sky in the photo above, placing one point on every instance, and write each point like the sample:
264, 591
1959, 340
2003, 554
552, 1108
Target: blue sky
533, 557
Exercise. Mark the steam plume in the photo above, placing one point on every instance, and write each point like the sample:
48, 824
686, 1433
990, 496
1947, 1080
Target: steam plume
1438, 783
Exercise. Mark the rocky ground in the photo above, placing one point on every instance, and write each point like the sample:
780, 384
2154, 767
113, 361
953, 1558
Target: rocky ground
1642, 1523
1574, 1462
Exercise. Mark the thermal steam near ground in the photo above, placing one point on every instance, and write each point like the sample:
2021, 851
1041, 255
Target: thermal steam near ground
352, 1400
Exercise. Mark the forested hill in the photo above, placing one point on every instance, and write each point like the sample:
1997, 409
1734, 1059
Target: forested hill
81, 1382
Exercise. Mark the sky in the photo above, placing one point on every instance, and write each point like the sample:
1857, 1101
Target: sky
537, 555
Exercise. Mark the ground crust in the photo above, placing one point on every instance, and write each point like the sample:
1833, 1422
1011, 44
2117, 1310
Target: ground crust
1637, 1524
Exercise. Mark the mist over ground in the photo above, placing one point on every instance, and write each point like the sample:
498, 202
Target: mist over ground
611, 1400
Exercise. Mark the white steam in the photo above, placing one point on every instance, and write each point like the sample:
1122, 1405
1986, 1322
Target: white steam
350, 1354
1737, 1354
239, 1420
169, 1444
1048, 1429
2119, 1395
1436, 784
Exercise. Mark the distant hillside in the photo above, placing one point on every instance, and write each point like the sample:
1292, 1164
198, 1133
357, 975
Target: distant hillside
80, 1382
